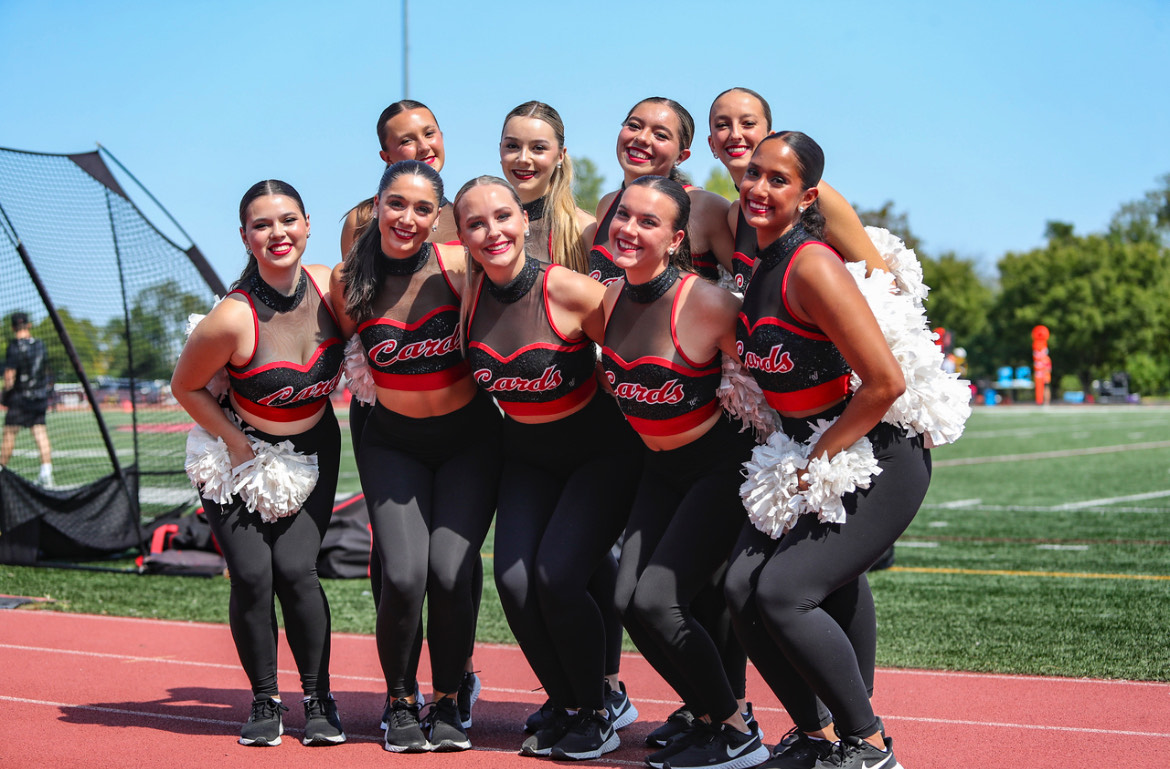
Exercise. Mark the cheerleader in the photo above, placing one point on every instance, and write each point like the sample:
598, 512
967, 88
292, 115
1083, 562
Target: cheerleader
276, 334
429, 457
739, 119
666, 332
571, 463
654, 140
801, 604
536, 163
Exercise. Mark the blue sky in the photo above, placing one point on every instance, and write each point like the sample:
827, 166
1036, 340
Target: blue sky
980, 120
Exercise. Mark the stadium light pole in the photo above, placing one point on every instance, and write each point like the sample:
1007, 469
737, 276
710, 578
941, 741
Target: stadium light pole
405, 52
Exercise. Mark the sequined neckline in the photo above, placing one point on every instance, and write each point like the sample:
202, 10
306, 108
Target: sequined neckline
410, 264
535, 209
645, 293
518, 286
782, 247
275, 300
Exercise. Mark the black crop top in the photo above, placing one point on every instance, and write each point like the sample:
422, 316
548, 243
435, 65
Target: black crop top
412, 343
659, 389
796, 365
519, 356
601, 266
271, 386
747, 245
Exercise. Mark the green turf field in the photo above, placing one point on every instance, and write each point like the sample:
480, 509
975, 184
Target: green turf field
1043, 547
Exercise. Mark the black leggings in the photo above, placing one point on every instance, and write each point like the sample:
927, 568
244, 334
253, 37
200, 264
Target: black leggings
685, 519
269, 560
802, 605
431, 489
565, 495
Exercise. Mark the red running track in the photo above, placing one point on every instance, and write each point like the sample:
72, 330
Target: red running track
89, 691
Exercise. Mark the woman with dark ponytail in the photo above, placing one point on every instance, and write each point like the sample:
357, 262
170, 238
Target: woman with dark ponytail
277, 337
739, 119
665, 336
655, 138
429, 457
797, 587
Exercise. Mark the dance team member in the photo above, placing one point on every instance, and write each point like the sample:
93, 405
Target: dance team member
531, 328
801, 604
429, 458
536, 163
739, 119
664, 337
277, 335
655, 138
408, 130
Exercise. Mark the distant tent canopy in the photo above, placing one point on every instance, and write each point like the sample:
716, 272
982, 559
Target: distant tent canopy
109, 294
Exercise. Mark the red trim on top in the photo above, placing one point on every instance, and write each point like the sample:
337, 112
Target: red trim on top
676, 425
408, 326
443, 272
784, 283
301, 367
630, 365
328, 306
526, 348
564, 403
274, 414
436, 380
674, 335
810, 397
798, 330
255, 326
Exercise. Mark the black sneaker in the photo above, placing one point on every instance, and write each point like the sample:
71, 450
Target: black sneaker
749, 718
677, 723
418, 697
697, 732
722, 747
404, 732
590, 735
554, 726
856, 753
264, 725
622, 712
540, 718
468, 693
445, 729
322, 724
796, 750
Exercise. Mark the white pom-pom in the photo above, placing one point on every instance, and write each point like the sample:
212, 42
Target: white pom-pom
936, 404
357, 372
771, 494
742, 397
218, 385
277, 481
726, 281
208, 465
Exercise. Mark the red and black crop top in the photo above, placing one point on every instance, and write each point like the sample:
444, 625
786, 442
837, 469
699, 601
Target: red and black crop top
601, 266
270, 385
519, 356
659, 389
747, 245
412, 342
796, 365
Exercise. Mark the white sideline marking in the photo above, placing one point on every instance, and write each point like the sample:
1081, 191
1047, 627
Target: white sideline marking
1052, 454
958, 503
1062, 547
904, 543
1112, 500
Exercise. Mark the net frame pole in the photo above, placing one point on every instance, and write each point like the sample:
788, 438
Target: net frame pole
79, 370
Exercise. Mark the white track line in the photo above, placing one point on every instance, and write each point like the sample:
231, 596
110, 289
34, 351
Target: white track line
1052, 454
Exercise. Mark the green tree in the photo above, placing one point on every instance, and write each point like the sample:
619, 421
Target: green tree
158, 321
1146, 220
1102, 299
719, 182
87, 341
587, 183
887, 218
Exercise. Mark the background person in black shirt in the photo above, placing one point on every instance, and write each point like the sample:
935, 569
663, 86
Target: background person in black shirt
26, 394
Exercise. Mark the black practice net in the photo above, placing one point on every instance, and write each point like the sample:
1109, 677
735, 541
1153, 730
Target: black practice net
107, 296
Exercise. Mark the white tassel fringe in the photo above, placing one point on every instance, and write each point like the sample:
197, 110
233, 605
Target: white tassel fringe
743, 399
